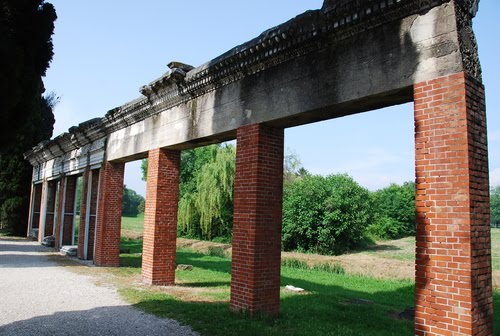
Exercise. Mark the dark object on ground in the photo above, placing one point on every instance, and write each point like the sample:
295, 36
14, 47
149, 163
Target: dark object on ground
124, 250
49, 241
407, 314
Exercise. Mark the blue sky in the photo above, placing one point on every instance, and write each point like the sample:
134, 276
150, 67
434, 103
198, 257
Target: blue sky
106, 50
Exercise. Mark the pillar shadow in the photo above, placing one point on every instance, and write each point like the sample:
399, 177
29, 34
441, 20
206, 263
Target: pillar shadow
113, 320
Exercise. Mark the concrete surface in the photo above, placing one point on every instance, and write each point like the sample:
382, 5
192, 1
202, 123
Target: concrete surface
39, 297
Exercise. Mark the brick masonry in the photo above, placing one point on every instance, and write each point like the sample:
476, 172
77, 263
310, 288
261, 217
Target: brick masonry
258, 196
83, 214
160, 218
453, 252
69, 209
52, 190
59, 216
37, 205
109, 215
88, 212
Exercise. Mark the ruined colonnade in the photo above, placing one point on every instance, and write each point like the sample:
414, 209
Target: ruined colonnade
348, 57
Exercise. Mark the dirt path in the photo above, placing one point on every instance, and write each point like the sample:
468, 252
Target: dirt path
40, 297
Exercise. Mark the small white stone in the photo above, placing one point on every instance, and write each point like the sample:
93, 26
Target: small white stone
293, 288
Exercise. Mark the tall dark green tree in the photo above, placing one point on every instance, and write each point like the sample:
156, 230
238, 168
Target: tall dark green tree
131, 202
26, 118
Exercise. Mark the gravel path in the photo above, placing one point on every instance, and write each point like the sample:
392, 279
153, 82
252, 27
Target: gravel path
40, 297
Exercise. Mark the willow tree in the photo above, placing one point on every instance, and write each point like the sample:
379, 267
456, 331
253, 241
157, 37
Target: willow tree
206, 191
208, 210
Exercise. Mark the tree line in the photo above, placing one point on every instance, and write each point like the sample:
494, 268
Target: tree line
324, 214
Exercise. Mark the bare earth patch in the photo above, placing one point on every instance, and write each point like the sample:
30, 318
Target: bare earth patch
385, 260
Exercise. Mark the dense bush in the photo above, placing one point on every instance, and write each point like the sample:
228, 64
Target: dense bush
325, 214
395, 211
495, 206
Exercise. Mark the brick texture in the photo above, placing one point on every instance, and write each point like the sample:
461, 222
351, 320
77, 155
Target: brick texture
51, 207
109, 215
258, 196
59, 217
160, 218
83, 214
453, 252
69, 210
37, 205
91, 216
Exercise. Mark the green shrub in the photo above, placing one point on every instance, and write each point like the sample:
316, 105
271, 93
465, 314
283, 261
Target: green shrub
395, 211
387, 228
325, 215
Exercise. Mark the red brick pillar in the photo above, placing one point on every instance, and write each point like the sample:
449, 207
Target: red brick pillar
453, 253
258, 193
59, 213
160, 218
109, 215
37, 206
83, 214
50, 214
88, 214
68, 211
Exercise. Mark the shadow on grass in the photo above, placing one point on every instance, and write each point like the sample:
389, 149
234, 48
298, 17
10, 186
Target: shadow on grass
329, 311
325, 310
349, 306
204, 284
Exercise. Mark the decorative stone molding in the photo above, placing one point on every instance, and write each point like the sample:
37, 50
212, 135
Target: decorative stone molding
311, 31
465, 11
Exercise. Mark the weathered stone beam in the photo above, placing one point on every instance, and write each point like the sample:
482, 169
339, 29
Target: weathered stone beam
366, 71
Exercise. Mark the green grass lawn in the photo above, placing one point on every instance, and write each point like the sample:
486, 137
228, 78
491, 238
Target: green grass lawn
335, 304
495, 249
135, 224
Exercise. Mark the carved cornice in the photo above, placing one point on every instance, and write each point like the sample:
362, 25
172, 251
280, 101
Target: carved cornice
308, 32
79, 136
465, 11
311, 31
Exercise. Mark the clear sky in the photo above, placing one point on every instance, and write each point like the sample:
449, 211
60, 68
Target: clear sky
105, 50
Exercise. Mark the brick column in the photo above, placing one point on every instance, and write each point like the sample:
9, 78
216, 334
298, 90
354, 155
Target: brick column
36, 207
258, 193
453, 253
109, 215
69, 210
66, 211
83, 213
59, 213
88, 214
50, 214
160, 218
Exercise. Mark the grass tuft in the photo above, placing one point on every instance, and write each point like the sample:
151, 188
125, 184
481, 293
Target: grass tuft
334, 268
216, 251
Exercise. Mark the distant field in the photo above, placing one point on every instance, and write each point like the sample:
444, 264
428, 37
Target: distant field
401, 249
495, 248
133, 227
